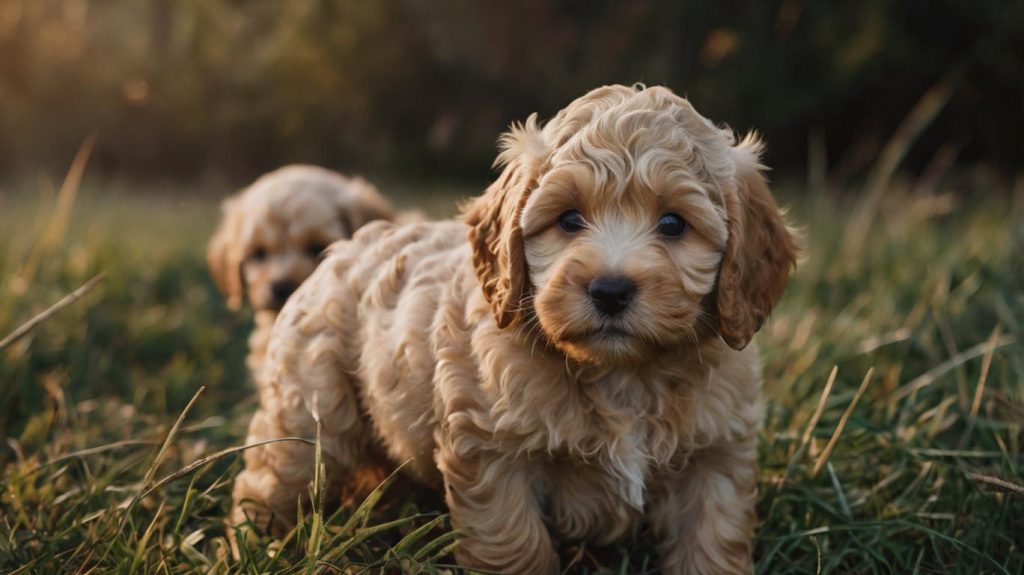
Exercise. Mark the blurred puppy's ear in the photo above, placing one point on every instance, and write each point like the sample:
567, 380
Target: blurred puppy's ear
760, 254
495, 234
359, 203
224, 254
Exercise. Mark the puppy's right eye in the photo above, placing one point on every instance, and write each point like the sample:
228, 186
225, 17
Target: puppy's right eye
258, 254
571, 221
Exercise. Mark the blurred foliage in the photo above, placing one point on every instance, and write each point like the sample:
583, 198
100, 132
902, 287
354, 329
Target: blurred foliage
185, 87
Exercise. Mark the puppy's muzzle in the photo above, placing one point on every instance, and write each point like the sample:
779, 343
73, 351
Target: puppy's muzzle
281, 291
611, 295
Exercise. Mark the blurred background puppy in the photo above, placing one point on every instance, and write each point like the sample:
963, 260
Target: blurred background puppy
271, 235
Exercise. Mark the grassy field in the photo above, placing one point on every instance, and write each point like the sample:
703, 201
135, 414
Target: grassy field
893, 440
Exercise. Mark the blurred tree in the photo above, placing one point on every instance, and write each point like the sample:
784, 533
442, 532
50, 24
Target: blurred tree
182, 87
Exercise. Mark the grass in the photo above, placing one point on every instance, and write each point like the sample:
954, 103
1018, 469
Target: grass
894, 370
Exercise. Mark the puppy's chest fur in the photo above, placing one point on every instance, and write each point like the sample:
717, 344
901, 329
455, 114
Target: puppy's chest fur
619, 440
619, 427
594, 480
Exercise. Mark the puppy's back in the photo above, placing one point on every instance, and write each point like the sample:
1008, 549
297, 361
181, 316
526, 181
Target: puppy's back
352, 338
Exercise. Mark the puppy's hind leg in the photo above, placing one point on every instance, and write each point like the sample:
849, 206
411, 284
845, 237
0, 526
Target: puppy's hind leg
305, 379
276, 478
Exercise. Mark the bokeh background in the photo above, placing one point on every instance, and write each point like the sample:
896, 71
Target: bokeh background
187, 89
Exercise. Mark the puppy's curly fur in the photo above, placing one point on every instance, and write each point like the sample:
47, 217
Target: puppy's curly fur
490, 364
272, 234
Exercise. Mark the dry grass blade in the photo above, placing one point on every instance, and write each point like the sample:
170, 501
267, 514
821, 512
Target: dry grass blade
68, 192
872, 343
64, 302
806, 438
318, 495
926, 379
170, 437
57, 227
209, 458
998, 484
26, 568
823, 458
90, 451
140, 549
811, 424
986, 364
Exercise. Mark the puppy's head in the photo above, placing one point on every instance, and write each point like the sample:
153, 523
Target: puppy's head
628, 225
271, 234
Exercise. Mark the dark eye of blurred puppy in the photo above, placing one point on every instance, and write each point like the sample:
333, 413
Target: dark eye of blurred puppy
671, 225
316, 250
571, 221
258, 254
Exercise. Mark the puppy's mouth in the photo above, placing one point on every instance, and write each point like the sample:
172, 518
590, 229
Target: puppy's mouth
600, 333
604, 345
611, 332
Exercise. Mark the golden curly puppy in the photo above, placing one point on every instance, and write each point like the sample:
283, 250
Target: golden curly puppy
272, 235
580, 364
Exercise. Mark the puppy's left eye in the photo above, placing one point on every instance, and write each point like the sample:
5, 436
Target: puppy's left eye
571, 221
671, 225
315, 250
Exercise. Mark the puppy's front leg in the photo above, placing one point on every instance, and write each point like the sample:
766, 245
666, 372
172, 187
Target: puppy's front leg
704, 515
493, 505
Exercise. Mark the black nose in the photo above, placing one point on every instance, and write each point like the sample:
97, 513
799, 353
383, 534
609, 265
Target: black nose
611, 295
281, 290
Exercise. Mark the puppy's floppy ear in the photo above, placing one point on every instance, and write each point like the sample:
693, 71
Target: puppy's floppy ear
224, 254
760, 254
495, 234
359, 203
